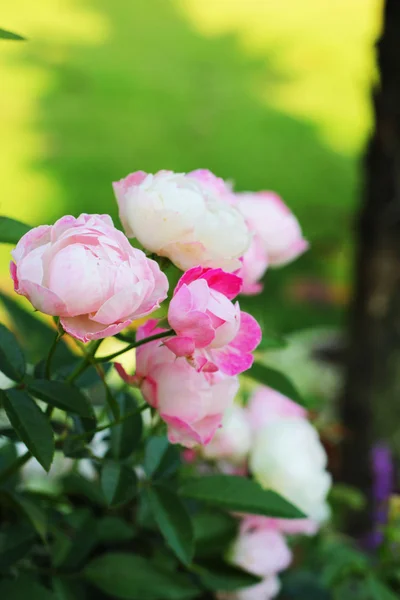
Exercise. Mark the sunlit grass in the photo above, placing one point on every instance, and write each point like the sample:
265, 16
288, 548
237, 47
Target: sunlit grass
322, 48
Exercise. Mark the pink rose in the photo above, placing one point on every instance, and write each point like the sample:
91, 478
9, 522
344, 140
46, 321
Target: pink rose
264, 552
86, 272
277, 237
191, 402
266, 405
286, 526
184, 217
204, 318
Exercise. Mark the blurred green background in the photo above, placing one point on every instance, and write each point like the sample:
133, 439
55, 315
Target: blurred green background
272, 94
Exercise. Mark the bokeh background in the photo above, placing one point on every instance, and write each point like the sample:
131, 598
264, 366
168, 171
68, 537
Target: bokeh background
272, 94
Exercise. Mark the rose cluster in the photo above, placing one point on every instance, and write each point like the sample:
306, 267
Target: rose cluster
86, 272
272, 439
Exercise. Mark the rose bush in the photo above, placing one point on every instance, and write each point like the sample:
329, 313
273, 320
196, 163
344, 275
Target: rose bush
206, 468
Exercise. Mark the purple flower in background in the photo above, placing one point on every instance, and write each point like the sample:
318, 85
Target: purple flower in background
382, 488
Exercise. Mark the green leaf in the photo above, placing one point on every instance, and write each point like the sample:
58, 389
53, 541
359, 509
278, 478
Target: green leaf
240, 494
8, 455
77, 486
214, 531
9, 35
133, 577
35, 336
24, 586
173, 520
71, 549
221, 577
126, 437
11, 231
378, 590
161, 459
34, 513
12, 360
68, 589
275, 380
15, 543
155, 449
61, 395
118, 482
31, 425
114, 530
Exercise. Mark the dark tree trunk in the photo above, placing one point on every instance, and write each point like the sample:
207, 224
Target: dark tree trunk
371, 400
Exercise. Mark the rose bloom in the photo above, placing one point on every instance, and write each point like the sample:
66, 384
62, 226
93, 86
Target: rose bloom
86, 272
266, 405
204, 317
183, 217
264, 552
232, 441
288, 457
277, 237
191, 402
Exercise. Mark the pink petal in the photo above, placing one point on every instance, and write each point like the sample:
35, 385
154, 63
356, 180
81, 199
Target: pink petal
228, 284
147, 329
230, 362
13, 273
38, 236
130, 379
296, 249
181, 346
249, 335
42, 298
85, 329
120, 306
190, 275
252, 289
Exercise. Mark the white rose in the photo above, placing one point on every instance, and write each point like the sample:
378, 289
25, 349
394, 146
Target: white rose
232, 441
183, 218
288, 457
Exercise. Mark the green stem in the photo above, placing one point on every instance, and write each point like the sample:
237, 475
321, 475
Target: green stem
82, 436
81, 367
152, 338
52, 350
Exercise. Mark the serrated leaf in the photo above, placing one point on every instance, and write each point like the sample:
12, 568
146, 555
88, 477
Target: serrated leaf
61, 395
11, 231
31, 425
118, 482
275, 380
236, 493
12, 360
130, 577
9, 35
126, 437
173, 521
